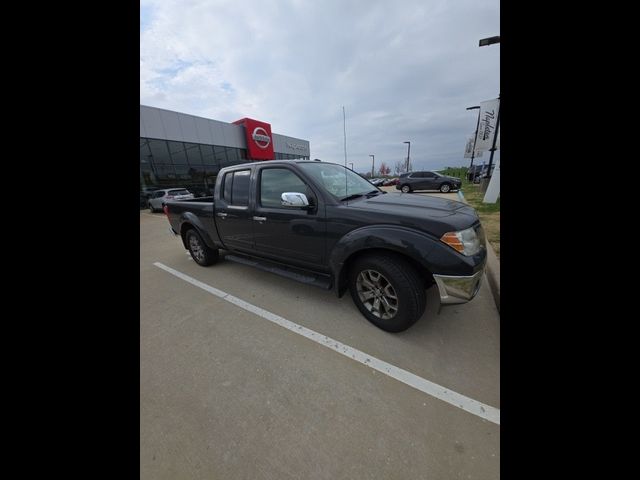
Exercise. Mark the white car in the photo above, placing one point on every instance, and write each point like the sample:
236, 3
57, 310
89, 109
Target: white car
157, 199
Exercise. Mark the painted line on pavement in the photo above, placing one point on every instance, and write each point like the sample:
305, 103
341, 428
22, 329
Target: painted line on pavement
458, 400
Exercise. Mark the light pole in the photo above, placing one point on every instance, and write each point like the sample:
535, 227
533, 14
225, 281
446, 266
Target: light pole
350, 163
489, 41
495, 136
408, 154
483, 43
473, 152
373, 163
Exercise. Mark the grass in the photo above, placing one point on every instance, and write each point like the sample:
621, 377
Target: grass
489, 213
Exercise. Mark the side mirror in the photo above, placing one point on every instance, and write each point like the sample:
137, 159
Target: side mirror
294, 199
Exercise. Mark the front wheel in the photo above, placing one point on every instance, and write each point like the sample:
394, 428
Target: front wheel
201, 253
388, 291
405, 189
445, 188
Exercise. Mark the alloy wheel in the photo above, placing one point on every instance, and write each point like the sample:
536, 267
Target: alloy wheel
196, 249
377, 294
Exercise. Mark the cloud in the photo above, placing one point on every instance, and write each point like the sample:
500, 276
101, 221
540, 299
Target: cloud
404, 70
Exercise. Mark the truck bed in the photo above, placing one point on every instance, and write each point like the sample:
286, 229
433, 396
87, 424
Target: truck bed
198, 212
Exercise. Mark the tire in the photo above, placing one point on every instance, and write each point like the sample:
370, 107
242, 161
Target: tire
151, 209
405, 189
201, 253
445, 188
387, 276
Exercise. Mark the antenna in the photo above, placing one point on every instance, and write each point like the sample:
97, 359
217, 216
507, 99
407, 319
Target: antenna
344, 123
344, 120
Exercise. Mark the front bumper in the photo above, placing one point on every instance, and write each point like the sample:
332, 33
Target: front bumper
458, 289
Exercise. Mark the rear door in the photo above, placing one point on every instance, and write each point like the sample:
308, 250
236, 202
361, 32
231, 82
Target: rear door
156, 199
418, 181
232, 210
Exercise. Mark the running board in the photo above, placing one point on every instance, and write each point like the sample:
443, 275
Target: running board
303, 276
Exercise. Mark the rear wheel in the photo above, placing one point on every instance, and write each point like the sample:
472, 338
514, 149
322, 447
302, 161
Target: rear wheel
405, 189
445, 188
201, 253
388, 291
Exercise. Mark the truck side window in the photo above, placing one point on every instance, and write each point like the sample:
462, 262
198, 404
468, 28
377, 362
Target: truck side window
236, 187
275, 181
226, 187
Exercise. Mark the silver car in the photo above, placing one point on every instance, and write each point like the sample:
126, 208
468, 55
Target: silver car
159, 197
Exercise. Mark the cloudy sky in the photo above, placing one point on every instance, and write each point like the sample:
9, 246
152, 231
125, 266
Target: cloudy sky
403, 70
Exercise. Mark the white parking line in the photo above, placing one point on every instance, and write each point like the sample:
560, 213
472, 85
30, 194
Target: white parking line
458, 400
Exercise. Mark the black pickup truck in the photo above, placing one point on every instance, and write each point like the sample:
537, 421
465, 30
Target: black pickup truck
322, 224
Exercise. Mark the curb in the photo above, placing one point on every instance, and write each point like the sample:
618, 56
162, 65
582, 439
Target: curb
493, 274
493, 267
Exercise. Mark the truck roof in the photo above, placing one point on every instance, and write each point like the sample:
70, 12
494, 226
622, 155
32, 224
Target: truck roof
279, 162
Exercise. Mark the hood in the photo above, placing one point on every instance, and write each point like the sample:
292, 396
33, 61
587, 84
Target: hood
432, 214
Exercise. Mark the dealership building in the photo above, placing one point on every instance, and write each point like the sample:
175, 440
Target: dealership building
180, 150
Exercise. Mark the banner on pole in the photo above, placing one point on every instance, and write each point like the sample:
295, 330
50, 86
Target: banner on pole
468, 149
487, 125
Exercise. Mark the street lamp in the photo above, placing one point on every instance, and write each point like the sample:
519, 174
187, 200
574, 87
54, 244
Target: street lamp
473, 152
483, 43
373, 163
408, 154
489, 41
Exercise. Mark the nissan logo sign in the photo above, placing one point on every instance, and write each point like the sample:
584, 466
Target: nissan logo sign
260, 137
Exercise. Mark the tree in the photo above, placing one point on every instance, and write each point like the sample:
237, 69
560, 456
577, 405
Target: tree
400, 167
384, 170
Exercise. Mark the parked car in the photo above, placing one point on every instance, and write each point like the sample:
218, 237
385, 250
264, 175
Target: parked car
322, 224
376, 181
390, 181
159, 197
412, 181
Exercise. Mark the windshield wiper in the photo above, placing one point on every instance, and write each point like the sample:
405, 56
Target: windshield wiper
373, 193
351, 197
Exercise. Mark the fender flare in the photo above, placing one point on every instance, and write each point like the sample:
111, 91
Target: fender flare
405, 241
189, 220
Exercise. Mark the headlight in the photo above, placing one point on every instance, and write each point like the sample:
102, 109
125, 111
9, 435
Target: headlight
467, 242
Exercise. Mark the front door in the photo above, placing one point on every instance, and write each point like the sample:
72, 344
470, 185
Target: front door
291, 235
429, 181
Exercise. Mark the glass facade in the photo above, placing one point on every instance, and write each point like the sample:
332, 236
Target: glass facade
289, 156
165, 163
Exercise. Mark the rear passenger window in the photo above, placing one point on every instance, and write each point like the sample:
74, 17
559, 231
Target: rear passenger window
236, 188
228, 182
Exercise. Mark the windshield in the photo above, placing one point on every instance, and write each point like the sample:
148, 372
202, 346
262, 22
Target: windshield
178, 192
338, 180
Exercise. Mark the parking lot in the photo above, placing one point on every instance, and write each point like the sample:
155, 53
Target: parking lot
233, 385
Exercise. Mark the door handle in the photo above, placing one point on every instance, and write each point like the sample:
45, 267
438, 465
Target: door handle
222, 215
260, 219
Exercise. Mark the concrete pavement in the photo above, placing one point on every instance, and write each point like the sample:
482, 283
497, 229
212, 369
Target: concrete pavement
226, 394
